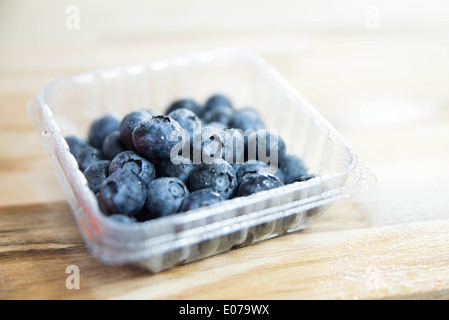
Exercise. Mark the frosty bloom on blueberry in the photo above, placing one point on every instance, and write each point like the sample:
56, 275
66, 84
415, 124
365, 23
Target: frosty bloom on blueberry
88, 156
178, 167
219, 176
129, 123
132, 161
149, 165
165, 196
155, 137
123, 192
96, 173
100, 129
257, 182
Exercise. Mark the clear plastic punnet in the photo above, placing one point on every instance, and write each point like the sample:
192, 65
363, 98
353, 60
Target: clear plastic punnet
69, 105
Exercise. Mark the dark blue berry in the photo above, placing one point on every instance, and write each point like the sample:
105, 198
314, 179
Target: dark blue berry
96, 173
87, 156
165, 196
100, 128
159, 138
186, 119
217, 100
236, 166
257, 182
256, 166
122, 192
112, 145
76, 144
100, 206
188, 104
178, 167
199, 199
246, 119
293, 168
221, 114
219, 176
129, 123
132, 161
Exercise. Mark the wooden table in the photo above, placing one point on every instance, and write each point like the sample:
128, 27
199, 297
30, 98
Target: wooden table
378, 72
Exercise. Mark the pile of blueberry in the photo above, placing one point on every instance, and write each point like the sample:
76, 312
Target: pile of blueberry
148, 165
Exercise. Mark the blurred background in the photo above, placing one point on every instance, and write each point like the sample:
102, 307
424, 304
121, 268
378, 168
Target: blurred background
378, 70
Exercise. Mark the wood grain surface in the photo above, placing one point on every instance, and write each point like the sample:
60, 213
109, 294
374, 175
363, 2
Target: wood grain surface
377, 71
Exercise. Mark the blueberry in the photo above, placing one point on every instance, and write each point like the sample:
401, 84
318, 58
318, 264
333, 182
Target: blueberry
219, 176
178, 167
187, 119
112, 145
76, 144
199, 199
158, 137
247, 118
188, 104
122, 192
217, 100
293, 168
165, 196
132, 161
87, 156
129, 123
257, 182
96, 173
256, 166
266, 146
221, 114
100, 128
